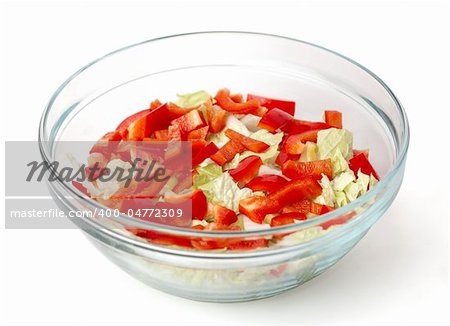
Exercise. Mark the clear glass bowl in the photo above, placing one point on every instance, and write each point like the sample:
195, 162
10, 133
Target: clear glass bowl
96, 98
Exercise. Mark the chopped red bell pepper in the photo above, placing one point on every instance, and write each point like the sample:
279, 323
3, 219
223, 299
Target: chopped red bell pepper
294, 144
226, 102
274, 119
283, 157
143, 123
155, 104
270, 103
295, 126
249, 143
281, 219
248, 244
294, 191
334, 118
297, 169
162, 238
302, 206
337, 221
256, 207
360, 162
223, 215
107, 144
238, 98
267, 182
189, 121
207, 152
175, 111
174, 133
363, 151
199, 205
246, 169
200, 133
162, 134
197, 146
287, 218
217, 118
320, 209
132, 119
307, 206
227, 152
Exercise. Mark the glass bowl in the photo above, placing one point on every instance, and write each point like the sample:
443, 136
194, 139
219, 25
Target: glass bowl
97, 97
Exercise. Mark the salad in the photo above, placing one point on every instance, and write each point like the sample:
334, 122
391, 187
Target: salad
254, 166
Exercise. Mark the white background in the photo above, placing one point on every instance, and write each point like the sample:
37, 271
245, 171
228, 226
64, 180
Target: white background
398, 274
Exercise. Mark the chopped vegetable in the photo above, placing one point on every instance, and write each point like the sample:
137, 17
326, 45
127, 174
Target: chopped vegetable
360, 162
267, 182
315, 169
334, 118
270, 103
246, 169
254, 166
249, 143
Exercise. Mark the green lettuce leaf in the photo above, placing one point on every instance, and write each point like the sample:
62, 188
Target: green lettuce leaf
190, 100
206, 174
342, 180
331, 140
224, 191
338, 163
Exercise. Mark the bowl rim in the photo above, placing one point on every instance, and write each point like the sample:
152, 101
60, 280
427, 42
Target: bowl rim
383, 183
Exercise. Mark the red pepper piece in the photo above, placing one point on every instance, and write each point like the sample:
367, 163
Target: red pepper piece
175, 111
223, 215
248, 244
217, 118
302, 206
360, 162
337, 221
287, 218
207, 152
334, 118
162, 134
200, 133
155, 104
199, 205
189, 121
320, 209
246, 169
226, 102
198, 145
249, 143
294, 144
297, 169
267, 182
274, 119
227, 152
283, 157
256, 207
174, 133
294, 191
295, 126
363, 151
270, 103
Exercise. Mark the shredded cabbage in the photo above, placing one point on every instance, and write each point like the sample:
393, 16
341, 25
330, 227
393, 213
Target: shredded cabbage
190, 100
331, 140
224, 191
